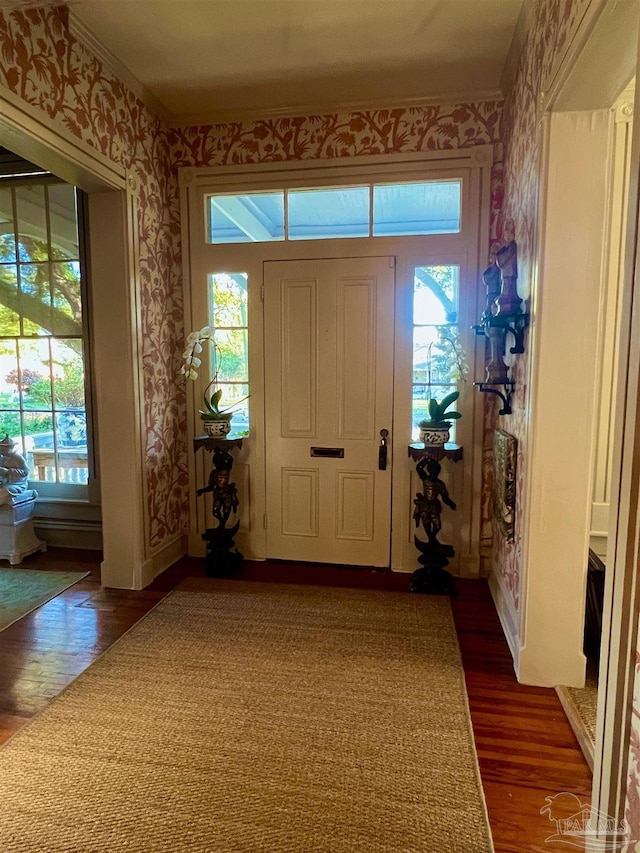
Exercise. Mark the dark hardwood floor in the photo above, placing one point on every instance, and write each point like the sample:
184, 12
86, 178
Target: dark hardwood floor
526, 748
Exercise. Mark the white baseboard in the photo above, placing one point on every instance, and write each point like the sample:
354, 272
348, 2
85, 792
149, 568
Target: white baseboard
598, 543
69, 534
508, 617
162, 558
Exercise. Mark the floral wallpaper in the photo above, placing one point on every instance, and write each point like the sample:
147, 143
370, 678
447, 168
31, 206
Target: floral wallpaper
632, 810
338, 135
47, 67
552, 28
43, 64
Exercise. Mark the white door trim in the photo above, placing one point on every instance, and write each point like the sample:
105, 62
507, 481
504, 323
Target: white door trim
622, 591
128, 560
590, 77
470, 248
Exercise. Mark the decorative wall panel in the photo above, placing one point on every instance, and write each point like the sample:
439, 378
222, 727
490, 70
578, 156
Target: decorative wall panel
504, 485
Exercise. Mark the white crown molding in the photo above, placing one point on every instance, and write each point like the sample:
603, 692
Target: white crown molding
23, 5
248, 114
80, 31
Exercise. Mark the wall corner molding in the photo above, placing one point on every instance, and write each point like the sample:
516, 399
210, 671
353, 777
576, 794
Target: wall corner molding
88, 40
508, 616
258, 113
27, 130
163, 557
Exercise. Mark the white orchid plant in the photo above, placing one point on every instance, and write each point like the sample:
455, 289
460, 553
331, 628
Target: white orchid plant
192, 363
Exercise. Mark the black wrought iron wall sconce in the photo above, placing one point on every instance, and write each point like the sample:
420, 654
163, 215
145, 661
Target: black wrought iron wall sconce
502, 316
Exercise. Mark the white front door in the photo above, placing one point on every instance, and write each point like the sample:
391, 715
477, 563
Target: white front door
329, 393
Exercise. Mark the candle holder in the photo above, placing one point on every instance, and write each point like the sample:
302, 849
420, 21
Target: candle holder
502, 316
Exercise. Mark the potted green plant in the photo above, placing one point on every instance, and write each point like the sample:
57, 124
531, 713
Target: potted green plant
446, 363
434, 432
216, 421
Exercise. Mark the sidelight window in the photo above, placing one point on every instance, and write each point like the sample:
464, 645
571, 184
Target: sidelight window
229, 352
438, 361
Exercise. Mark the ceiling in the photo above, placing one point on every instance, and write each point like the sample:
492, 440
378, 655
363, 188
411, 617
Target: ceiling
208, 59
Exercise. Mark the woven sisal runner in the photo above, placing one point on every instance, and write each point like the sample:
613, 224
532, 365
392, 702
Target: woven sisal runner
257, 717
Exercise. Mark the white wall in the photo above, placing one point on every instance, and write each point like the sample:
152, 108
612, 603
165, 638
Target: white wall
567, 312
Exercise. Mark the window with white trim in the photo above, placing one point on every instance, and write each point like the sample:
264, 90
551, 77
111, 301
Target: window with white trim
229, 349
438, 361
42, 333
324, 213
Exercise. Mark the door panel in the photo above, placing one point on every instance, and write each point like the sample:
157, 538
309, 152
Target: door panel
300, 502
299, 358
356, 358
355, 501
328, 374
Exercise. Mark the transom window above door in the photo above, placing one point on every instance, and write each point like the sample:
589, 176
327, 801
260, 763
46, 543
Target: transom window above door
323, 213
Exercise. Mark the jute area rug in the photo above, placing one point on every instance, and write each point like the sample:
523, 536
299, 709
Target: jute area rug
257, 717
22, 590
585, 700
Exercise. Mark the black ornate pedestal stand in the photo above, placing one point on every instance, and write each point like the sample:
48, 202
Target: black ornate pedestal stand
432, 577
222, 556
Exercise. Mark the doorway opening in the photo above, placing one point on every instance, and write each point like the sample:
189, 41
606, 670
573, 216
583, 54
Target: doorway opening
344, 361
577, 225
45, 368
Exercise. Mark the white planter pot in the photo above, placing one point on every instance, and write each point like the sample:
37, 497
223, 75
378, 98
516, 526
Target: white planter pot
434, 436
217, 429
